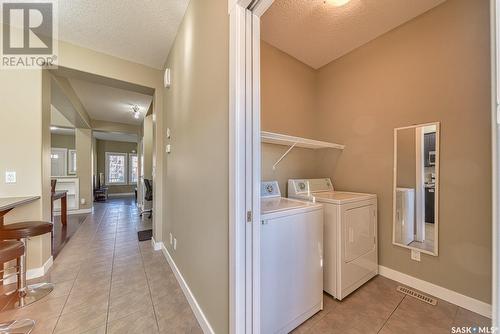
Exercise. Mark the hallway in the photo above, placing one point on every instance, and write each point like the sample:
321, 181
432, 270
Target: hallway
108, 282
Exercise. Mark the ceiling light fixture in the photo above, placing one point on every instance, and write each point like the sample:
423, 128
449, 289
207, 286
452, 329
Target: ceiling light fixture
337, 3
136, 111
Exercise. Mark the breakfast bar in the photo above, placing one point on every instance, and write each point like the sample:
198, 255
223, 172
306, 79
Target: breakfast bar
9, 203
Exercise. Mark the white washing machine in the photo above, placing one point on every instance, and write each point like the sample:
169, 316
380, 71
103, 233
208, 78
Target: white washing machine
350, 234
291, 259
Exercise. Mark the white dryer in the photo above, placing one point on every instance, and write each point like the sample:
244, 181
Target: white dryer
291, 258
350, 234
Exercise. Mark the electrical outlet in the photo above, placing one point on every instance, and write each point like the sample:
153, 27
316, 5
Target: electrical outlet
168, 149
175, 244
171, 238
415, 255
83, 201
10, 177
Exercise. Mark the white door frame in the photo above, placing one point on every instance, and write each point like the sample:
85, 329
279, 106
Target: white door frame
419, 186
495, 145
244, 169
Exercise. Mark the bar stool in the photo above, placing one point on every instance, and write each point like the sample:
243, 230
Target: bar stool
13, 250
23, 231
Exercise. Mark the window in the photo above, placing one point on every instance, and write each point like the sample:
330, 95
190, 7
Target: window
133, 168
72, 162
116, 168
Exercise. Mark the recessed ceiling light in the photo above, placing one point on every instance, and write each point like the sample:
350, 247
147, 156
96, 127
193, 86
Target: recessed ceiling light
136, 112
338, 3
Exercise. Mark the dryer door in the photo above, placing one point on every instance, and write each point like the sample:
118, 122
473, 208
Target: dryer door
359, 231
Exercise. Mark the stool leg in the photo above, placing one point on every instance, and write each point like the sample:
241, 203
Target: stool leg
24, 326
32, 293
21, 275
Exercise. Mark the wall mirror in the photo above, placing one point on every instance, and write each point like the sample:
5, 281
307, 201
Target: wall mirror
416, 187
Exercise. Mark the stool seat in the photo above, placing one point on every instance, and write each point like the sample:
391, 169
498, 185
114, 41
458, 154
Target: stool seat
24, 230
10, 250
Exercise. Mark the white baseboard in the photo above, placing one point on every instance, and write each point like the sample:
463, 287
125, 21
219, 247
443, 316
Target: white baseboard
198, 312
156, 245
120, 195
75, 212
33, 272
450, 296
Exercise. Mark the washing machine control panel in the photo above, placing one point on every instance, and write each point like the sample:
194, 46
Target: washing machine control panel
269, 189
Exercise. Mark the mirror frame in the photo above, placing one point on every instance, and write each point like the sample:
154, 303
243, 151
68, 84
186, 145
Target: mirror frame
436, 190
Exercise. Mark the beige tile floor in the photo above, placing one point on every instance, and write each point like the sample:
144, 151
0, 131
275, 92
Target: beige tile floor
108, 282
378, 308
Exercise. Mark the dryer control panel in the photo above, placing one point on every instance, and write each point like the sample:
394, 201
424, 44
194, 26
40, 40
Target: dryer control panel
308, 186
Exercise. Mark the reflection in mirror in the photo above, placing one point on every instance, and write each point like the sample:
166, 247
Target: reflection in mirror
416, 185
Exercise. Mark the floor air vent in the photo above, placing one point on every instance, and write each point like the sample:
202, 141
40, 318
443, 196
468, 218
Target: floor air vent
418, 295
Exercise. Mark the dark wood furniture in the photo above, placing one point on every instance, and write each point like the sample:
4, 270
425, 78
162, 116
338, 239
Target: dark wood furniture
9, 251
63, 196
22, 231
101, 194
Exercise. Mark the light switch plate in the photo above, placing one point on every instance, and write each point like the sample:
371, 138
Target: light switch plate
415, 255
175, 244
168, 148
171, 238
10, 177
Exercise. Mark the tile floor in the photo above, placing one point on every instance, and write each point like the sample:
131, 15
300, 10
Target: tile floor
108, 282
378, 308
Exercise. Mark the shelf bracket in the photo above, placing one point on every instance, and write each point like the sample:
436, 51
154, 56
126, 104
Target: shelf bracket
284, 155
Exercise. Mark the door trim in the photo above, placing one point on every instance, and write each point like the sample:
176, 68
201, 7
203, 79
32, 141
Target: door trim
244, 164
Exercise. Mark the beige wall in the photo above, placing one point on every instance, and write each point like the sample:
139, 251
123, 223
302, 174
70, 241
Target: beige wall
196, 108
63, 141
433, 68
406, 158
104, 146
25, 143
288, 105
288, 94
148, 147
84, 166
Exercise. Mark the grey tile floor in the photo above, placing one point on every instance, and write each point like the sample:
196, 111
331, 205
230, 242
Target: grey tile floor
108, 282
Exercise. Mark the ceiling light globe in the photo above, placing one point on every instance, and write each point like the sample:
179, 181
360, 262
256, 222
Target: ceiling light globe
338, 3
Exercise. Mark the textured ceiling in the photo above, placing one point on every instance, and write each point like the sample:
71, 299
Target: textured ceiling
139, 31
115, 136
105, 103
316, 32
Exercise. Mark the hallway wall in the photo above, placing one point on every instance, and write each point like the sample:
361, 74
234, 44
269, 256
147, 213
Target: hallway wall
196, 108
